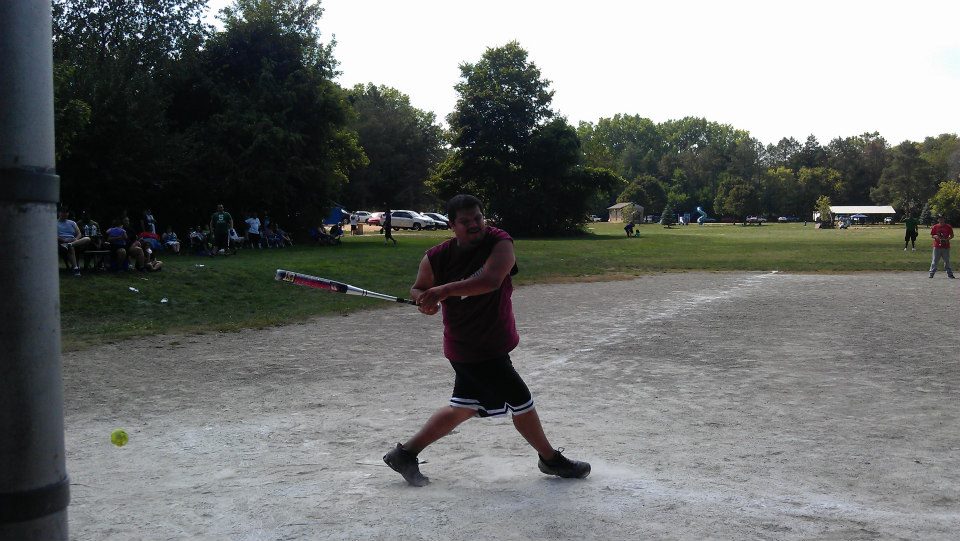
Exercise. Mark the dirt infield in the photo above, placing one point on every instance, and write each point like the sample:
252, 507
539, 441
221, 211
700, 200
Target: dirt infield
726, 406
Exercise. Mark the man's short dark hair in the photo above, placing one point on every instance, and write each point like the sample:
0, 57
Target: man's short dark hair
460, 202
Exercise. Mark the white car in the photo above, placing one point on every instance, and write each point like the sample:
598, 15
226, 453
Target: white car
442, 221
409, 219
362, 216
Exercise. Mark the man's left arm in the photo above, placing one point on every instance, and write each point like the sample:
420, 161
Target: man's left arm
487, 279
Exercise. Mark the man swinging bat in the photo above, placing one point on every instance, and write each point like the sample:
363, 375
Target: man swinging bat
469, 276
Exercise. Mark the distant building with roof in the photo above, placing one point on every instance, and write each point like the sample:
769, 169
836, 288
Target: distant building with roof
847, 211
621, 212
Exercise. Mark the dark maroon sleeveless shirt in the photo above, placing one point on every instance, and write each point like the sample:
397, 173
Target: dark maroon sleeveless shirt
480, 327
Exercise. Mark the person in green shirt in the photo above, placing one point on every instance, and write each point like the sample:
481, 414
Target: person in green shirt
220, 224
910, 237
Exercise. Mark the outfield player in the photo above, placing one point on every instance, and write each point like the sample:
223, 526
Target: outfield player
221, 222
910, 232
941, 233
469, 276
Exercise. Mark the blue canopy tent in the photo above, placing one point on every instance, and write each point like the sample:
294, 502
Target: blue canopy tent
337, 215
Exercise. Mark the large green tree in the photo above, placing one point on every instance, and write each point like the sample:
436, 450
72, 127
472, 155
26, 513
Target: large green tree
263, 125
112, 62
947, 201
907, 182
736, 197
943, 155
629, 145
860, 160
812, 182
404, 145
780, 193
646, 190
510, 150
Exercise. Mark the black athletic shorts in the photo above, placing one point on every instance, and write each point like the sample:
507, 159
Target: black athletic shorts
492, 388
910, 236
221, 240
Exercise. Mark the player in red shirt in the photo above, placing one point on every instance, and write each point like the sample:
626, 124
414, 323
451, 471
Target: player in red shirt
941, 233
469, 276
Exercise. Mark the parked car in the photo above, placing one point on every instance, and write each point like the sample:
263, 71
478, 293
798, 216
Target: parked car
362, 216
755, 220
409, 219
374, 218
594, 218
442, 221
888, 220
784, 219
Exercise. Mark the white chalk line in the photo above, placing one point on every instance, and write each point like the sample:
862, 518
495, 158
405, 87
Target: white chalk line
621, 327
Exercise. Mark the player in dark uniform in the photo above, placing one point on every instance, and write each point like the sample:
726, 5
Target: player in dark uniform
388, 228
221, 222
470, 276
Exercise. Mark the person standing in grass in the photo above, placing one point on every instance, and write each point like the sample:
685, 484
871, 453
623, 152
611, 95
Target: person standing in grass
469, 276
221, 222
941, 233
388, 228
910, 234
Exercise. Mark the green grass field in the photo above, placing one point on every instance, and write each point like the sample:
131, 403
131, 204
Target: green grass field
238, 292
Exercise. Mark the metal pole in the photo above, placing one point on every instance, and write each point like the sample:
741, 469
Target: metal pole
34, 487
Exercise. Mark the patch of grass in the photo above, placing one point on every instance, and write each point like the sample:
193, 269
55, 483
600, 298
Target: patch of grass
228, 294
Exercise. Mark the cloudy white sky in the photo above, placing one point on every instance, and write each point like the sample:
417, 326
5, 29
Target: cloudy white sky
775, 68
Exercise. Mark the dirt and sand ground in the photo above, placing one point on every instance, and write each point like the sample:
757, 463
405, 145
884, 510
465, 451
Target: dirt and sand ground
724, 406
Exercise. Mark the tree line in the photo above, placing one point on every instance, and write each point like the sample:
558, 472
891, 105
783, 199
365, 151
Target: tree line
694, 162
156, 109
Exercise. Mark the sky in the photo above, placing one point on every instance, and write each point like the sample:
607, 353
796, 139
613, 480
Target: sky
776, 68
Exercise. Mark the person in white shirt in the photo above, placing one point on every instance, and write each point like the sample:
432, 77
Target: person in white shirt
253, 230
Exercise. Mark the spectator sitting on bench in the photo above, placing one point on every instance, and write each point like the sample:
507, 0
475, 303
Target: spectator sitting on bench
117, 244
283, 237
273, 241
322, 237
171, 241
199, 244
131, 232
70, 239
152, 240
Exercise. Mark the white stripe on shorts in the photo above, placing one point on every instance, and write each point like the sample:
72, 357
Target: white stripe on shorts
499, 412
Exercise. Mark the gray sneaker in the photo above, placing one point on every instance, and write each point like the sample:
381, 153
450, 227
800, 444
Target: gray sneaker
406, 464
562, 466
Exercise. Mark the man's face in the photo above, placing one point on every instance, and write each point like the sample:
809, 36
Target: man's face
469, 226
219, 208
